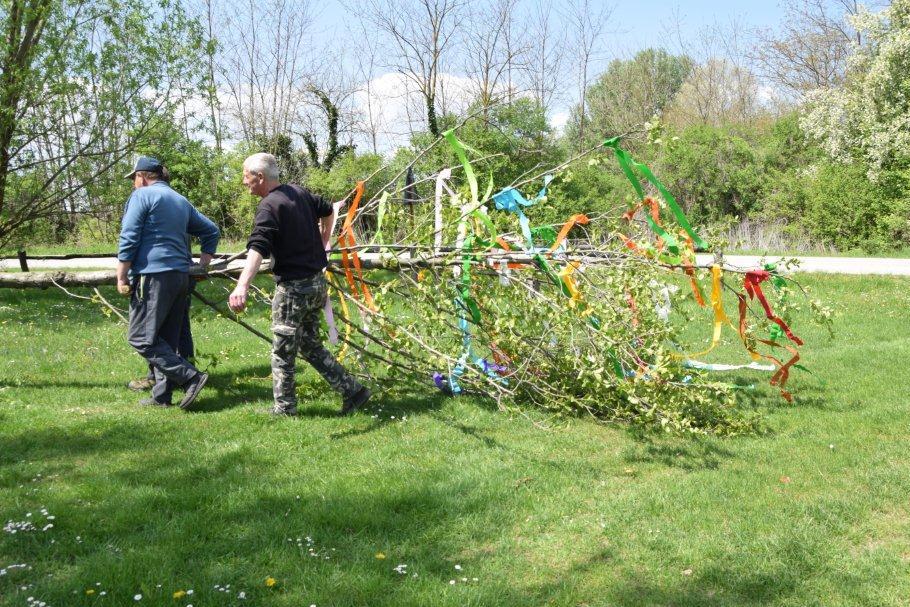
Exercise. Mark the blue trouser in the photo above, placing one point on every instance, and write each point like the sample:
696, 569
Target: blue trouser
158, 306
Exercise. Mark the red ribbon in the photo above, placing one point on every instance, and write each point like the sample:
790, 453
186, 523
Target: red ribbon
752, 284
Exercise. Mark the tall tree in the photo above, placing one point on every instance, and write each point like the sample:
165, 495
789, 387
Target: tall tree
265, 63
82, 83
421, 34
632, 91
544, 63
588, 21
491, 51
810, 49
869, 117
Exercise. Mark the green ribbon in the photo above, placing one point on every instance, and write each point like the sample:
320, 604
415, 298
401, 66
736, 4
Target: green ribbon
629, 165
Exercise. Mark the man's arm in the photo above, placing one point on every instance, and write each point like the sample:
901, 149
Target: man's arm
237, 300
130, 236
208, 234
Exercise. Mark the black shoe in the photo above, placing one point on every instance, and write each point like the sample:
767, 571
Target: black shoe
357, 400
193, 388
151, 402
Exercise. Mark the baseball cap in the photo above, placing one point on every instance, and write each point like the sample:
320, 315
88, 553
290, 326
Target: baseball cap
145, 163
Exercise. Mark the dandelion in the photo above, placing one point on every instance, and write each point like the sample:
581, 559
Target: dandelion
90, 591
179, 594
241, 595
138, 597
457, 567
102, 593
380, 555
190, 591
270, 581
452, 582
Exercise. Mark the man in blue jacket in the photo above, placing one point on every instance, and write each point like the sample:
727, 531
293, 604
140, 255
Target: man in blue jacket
153, 268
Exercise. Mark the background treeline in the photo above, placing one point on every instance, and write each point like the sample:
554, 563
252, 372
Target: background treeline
793, 138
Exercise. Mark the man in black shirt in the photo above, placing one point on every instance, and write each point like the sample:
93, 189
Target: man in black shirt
293, 226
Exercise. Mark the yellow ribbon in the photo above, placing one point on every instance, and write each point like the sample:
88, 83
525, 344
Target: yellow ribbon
720, 317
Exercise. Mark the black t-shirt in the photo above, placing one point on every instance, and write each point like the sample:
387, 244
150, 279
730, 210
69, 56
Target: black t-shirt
287, 228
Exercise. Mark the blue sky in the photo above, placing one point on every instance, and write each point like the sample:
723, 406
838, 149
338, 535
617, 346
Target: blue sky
642, 22
633, 26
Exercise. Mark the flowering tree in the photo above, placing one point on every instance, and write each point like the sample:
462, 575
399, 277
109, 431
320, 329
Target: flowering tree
869, 116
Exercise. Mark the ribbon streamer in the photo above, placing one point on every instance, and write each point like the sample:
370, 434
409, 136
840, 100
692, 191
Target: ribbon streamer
752, 284
627, 164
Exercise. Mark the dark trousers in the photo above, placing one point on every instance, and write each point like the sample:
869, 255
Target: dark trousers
184, 346
158, 306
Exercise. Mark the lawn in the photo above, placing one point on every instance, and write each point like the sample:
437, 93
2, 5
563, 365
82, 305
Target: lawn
426, 500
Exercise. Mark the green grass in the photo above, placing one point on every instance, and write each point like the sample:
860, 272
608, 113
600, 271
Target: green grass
812, 512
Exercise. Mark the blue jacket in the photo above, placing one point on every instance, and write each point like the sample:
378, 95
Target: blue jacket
153, 233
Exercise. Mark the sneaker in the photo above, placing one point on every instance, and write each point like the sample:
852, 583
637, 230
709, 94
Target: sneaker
193, 388
151, 402
140, 385
355, 401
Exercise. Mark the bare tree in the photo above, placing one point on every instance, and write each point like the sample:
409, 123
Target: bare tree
545, 55
587, 24
326, 110
264, 64
491, 50
810, 49
721, 87
211, 90
372, 118
421, 33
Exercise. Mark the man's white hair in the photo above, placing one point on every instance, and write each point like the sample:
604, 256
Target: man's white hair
262, 163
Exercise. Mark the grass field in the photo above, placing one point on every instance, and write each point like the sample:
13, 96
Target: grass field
425, 500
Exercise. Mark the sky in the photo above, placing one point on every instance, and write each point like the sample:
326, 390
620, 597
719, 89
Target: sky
634, 25
642, 23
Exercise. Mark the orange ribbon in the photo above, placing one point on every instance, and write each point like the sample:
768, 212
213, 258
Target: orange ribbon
349, 255
579, 219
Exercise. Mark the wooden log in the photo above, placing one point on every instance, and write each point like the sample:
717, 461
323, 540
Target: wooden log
368, 261
23, 261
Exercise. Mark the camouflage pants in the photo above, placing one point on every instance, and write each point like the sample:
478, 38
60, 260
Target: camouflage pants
296, 311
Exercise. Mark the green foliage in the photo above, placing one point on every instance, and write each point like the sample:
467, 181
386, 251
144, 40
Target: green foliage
717, 173
85, 95
631, 92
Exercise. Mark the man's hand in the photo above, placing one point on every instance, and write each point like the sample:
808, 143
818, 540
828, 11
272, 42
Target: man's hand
205, 259
237, 299
123, 281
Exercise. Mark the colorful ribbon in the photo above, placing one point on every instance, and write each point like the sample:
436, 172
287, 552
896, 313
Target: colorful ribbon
349, 255
629, 165
752, 284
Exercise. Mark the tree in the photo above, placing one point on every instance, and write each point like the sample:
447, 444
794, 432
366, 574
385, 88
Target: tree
587, 26
545, 56
811, 49
716, 93
81, 83
421, 33
264, 64
869, 117
633, 91
490, 51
